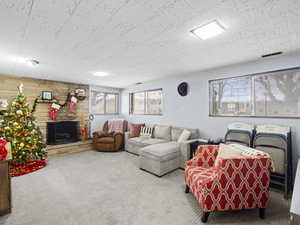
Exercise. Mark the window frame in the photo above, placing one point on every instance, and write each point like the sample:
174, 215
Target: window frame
131, 94
252, 102
105, 94
211, 104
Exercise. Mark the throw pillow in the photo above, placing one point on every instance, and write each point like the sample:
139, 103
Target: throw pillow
135, 129
175, 133
227, 151
146, 132
247, 151
185, 135
162, 132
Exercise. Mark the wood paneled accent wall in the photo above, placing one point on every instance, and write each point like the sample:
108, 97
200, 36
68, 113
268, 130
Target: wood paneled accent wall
34, 87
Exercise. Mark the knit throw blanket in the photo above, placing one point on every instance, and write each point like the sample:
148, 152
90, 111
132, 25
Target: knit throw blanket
116, 125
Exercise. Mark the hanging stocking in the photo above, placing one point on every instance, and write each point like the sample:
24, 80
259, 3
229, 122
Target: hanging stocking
73, 103
53, 110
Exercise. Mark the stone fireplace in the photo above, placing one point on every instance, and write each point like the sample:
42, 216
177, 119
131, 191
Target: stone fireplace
62, 132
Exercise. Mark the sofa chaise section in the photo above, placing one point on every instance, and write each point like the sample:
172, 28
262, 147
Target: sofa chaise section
162, 152
160, 159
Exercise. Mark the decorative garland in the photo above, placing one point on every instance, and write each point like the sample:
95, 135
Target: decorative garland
54, 100
72, 99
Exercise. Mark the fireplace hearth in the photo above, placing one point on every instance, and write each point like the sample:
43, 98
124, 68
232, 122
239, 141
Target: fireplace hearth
62, 132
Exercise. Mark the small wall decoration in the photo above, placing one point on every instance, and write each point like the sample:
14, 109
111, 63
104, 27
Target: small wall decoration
80, 93
47, 95
91, 117
183, 89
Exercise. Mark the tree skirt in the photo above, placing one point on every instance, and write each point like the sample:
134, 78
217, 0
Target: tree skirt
18, 169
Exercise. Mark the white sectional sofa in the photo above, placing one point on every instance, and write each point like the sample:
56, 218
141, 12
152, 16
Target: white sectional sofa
161, 153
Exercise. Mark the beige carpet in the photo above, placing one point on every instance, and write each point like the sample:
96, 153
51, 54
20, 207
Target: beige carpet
93, 188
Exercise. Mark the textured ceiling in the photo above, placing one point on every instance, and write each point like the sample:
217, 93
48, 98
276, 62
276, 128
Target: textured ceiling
139, 40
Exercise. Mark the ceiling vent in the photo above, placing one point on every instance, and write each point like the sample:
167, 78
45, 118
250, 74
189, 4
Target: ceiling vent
271, 54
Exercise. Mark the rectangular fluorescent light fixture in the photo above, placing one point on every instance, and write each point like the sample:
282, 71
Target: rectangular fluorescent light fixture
209, 30
101, 74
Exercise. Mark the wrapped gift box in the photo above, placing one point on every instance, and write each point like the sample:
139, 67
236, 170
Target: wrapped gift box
5, 184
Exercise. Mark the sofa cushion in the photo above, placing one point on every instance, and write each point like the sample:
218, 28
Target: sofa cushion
149, 125
106, 140
176, 132
153, 141
185, 135
162, 132
138, 141
194, 133
197, 176
161, 152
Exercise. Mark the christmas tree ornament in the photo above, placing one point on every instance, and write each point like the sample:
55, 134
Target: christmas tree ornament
4, 103
28, 138
19, 112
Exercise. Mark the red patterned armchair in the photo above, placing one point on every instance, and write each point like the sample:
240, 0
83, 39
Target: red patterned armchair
240, 182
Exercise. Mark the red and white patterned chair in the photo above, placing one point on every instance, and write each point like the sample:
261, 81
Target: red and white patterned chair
236, 183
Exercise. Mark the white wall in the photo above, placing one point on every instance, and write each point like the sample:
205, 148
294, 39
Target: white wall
99, 119
192, 111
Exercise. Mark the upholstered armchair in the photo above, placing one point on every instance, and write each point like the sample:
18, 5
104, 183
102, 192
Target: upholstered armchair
240, 182
110, 138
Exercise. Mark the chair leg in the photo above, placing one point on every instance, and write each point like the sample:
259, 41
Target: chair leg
262, 213
187, 189
205, 216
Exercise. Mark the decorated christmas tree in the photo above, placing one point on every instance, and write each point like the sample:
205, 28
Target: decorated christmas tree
18, 127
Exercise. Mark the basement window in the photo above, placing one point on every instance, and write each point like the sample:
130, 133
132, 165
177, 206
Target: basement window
146, 102
269, 94
104, 103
